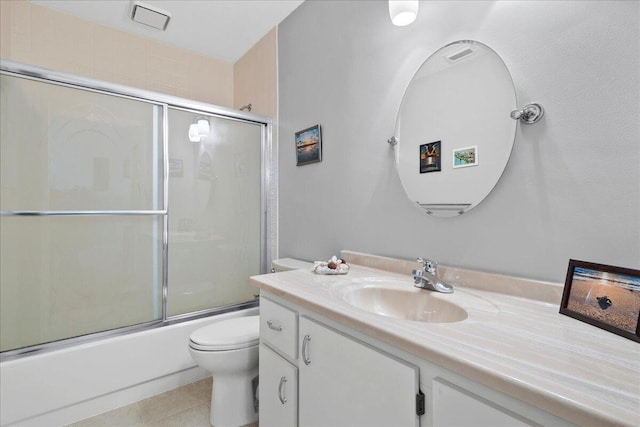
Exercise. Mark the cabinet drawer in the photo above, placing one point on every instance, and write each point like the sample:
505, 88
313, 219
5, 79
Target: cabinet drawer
279, 327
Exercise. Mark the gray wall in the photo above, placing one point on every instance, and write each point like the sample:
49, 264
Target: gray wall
571, 188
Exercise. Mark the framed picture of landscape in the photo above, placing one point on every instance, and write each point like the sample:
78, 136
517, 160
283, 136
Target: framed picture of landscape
604, 296
309, 145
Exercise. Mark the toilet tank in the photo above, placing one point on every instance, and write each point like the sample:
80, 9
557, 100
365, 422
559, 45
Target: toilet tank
286, 264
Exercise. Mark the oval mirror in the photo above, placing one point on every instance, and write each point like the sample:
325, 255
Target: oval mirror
454, 134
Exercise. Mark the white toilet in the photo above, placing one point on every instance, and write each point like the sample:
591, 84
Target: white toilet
229, 350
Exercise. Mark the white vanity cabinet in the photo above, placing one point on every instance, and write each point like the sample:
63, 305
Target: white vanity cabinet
315, 372
344, 382
330, 379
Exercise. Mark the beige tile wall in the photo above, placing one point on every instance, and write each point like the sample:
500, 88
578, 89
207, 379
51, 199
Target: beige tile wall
255, 77
37, 35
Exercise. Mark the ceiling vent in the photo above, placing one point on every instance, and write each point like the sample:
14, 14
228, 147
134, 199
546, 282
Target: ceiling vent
150, 16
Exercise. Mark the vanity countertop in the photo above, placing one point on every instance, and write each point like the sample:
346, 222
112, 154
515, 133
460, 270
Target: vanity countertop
517, 344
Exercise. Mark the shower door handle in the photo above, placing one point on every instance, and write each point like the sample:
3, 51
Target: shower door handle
305, 348
281, 396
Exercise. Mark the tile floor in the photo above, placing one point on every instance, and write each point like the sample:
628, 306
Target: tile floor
186, 406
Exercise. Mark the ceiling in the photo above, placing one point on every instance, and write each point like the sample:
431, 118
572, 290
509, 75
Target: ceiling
221, 29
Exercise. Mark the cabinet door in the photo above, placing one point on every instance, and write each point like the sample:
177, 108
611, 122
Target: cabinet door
278, 390
344, 382
455, 406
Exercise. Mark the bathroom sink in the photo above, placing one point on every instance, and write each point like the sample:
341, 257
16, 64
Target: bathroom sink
406, 302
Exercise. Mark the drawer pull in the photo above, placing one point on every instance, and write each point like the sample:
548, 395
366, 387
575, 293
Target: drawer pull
305, 346
281, 396
272, 327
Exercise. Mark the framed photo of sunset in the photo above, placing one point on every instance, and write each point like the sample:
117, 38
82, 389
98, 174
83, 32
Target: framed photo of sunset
604, 296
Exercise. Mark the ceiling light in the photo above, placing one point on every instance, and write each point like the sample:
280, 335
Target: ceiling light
403, 12
150, 16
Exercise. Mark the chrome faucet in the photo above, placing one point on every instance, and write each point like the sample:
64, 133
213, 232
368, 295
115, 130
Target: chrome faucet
427, 277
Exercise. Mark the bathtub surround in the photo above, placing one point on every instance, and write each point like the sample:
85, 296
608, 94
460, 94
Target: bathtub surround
94, 378
571, 188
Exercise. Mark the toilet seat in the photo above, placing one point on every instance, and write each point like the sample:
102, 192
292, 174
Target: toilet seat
231, 334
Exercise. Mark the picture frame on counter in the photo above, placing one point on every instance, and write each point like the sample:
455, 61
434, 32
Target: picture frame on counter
604, 296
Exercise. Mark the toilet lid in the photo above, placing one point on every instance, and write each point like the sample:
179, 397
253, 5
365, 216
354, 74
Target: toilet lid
230, 334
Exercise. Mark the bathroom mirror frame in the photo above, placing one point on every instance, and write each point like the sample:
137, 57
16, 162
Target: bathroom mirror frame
454, 134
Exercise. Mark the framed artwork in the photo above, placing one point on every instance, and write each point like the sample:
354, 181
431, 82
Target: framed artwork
430, 160
604, 296
465, 157
309, 145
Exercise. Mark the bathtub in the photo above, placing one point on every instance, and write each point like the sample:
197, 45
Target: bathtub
68, 385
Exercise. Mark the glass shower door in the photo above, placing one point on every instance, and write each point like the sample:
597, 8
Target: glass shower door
82, 212
122, 210
214, 211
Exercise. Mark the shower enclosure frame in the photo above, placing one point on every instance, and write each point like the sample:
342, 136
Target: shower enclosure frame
268, 192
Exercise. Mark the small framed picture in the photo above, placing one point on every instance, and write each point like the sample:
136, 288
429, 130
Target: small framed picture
309, 145
604, 296
430, 157
464, 157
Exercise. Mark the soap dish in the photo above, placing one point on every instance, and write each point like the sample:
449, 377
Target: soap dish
323, 267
